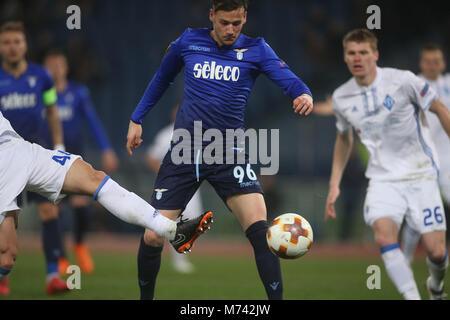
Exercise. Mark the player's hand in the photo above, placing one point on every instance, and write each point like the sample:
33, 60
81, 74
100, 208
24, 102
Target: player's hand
303, 104
333, 194
110, 163
134, 136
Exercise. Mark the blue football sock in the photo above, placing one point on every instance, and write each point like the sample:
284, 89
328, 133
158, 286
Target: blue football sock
149, 262
51, 240
4, 272
81, 217
267, 263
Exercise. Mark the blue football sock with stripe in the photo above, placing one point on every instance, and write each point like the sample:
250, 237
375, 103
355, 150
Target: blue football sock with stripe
268, 264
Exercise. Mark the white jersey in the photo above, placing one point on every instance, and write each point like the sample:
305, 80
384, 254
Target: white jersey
388, 116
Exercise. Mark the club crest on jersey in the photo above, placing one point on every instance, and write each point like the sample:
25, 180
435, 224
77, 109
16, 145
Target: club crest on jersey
240, 53
159, 193
31, 81
388, 102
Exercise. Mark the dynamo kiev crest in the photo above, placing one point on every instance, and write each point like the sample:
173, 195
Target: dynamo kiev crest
240, 53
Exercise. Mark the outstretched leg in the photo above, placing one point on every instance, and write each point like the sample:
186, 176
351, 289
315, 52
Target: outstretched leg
84, 180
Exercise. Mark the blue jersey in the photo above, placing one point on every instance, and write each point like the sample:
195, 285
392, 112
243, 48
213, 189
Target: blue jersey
22, 100
217, 80
74, 106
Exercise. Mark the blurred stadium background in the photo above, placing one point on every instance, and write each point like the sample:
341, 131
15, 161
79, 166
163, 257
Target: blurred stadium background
116, 53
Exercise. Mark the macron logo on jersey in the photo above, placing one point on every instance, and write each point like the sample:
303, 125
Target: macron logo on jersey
214, 71
18, 101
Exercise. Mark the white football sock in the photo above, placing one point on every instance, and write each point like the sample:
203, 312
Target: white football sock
399, 271
409, 240
437, 272
130, 208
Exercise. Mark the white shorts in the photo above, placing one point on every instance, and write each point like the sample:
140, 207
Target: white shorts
193, 209
26, 165
419, 203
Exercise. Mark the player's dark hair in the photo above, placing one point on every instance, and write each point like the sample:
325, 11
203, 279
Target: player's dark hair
17, 26
228, 5
361, 35
431, 47
55, 52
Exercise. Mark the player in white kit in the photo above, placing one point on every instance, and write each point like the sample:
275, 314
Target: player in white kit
432, 66
155, 154
387, 109
53, 173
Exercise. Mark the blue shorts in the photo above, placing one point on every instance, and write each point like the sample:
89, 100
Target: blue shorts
31, 197
176, 183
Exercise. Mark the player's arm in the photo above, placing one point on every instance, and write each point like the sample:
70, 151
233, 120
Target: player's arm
279, 72
110, 162
342, 150
324, 108
426, 98
171, 65
52, 118
443, 113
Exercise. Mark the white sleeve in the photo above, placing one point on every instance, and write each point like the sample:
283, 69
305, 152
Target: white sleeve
341, 122
419, 91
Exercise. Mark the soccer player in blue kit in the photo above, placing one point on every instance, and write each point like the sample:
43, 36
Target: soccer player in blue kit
75, 107
26, 92
220, 68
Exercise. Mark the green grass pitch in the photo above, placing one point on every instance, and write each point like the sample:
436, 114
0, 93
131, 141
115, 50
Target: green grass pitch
216, 277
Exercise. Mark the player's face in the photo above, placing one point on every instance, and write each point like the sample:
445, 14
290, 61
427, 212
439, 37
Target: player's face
13, 46
432, 64
227, 25
57, 66
360, 58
